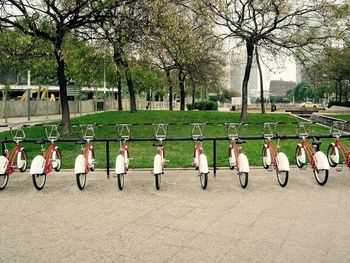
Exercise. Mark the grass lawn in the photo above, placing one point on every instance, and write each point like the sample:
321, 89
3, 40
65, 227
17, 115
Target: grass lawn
179, 153
341, 117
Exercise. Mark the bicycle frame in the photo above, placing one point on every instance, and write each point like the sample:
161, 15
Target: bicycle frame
337, 130
18, 135
344, 151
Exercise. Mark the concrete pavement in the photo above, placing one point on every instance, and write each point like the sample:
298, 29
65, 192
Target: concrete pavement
303, 222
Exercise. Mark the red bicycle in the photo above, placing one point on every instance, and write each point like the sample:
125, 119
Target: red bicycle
49, 158
337, 130
16, 158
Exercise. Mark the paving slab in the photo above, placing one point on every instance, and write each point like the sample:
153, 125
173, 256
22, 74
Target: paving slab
303, 222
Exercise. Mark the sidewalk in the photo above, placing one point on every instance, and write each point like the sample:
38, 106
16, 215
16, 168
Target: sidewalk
303, 222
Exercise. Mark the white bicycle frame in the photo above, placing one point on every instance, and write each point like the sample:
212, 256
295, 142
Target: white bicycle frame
200, 160
38, 164
88, 134
233, 130
320, 159
160, 132
282, 162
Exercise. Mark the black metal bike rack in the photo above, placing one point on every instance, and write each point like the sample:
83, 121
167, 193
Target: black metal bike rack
214, 139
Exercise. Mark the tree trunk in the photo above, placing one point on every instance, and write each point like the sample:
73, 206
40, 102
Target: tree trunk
336, 91
130, 88
182, 89
250, 53
340, 91
170, 84
119, 86
262, 100
63, 91
193, 96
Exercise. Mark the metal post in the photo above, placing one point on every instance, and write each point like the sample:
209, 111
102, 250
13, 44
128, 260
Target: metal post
29, 94
3, 148
214, 157
107, 157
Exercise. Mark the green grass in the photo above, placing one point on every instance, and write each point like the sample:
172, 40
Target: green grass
341, 117
179, 153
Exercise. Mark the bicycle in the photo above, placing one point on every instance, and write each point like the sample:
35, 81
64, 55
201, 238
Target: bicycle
85, 161
160, 134
122, 159
14, 159
333, 156
200, 161
236, 158
318, 160
272, 156
49, 159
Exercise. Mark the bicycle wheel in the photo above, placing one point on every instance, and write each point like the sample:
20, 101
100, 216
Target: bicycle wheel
58, 160
243, 179
321, 176
92, 167
120, 179
265, 157
203, 177
157, 180
299, 156
282, 177
332, 155
4, 178
39, 180
81, 180
24, 161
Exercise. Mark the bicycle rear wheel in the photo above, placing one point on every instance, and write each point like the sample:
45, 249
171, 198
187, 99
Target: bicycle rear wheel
58, 160
4, 178
299, 156
282, 177
81, 180
24, 161
332, 155
266, 160
39, 180
243, 179
321, 176
157, 180
120, 179
203, 177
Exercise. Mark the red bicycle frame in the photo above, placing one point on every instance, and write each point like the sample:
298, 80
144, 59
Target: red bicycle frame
235, 149
48, 156
344, 151
273, 151
86, 156
124, 148
309, 151
11, 156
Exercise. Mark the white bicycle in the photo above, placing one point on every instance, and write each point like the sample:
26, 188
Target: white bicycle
318, 160
122, 160
160, 134
272, 156
236, 158
200, 161
49, 159
85, 161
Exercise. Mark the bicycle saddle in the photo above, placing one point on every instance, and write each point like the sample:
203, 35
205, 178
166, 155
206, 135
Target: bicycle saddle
40, 141
315, 142
81, 142
240, 141
200, 138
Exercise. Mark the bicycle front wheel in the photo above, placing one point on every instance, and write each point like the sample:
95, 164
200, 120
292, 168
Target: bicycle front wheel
39, 180
4, 178
120, 179
300, 157
282, 177
157, 180
203, 177
58, 160
243, 179
332, 155
321, 176
266, 157
81, 180
23, 161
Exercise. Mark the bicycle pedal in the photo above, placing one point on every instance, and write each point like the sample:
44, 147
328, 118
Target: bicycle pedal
339, 169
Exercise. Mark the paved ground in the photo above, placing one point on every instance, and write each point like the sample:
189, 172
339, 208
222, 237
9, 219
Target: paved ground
180, 223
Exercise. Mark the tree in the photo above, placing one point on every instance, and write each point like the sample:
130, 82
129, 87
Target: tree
274, 24
53, 21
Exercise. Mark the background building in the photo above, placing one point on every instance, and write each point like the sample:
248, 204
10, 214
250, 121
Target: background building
280, 87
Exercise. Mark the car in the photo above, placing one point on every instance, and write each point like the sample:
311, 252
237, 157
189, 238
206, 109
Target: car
308, 104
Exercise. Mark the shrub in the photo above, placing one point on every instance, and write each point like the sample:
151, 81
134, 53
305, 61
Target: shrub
203, 105
337, 103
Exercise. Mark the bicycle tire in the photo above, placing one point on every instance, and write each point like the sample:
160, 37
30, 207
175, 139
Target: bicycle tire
4, 178
330, 150
58, 157
24, 157
203, 177
243, 179
157, 178
229, 157
264, 154
282, 177
39, 184
298, 153
321, 181
81, 180
92, 167
120, 179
